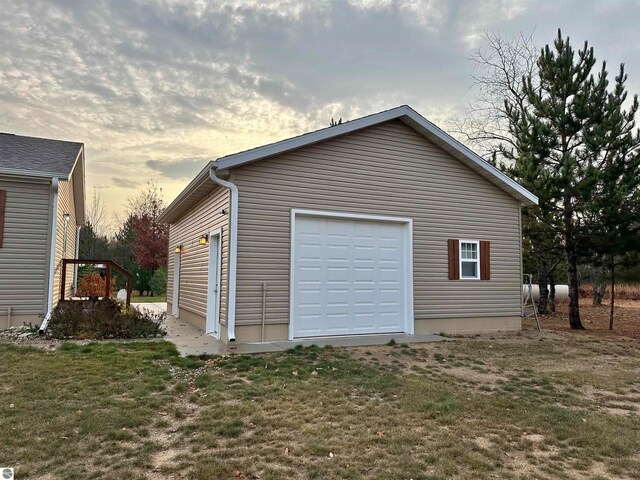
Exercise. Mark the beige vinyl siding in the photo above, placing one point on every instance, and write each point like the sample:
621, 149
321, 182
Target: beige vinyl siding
194, 261
387, 169
65, 205
23, 258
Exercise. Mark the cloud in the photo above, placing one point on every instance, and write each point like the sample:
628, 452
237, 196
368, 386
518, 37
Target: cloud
162, 86
185, 168
124, 182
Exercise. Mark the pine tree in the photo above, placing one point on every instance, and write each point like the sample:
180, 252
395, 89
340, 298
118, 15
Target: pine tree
613, 224
564, 144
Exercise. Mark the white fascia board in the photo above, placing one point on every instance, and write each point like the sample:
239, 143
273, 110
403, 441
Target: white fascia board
430, 130
241, 158
471, 155
16, 172
167, 216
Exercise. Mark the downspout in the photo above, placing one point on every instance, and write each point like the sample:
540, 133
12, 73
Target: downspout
75, 265
52, 254
233, 249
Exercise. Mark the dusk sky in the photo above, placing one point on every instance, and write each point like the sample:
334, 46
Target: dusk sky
156, 89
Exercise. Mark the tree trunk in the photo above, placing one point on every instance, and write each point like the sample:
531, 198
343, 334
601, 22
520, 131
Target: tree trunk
613, 297
599, 289
543, 297
572, 276
552, 292
599, 285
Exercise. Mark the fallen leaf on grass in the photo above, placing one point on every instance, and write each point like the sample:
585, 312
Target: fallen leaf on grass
251, 426
237, 474
380, 434
314, 373
164, 414
330, 454
286, 451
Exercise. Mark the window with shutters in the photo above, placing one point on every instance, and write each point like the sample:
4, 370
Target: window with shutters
469, 260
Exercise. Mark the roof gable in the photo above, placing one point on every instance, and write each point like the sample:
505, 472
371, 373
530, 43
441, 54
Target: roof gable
199, 186
38, 157
409, 117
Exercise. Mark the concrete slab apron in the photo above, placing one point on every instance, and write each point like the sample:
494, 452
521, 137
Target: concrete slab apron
190, 340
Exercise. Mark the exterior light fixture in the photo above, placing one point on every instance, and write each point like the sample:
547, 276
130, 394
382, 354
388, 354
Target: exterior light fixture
178, 249
204, 239
66, 217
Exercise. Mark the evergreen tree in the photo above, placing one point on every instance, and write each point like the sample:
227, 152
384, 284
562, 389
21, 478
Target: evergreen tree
565, 143
92, 246
614, 214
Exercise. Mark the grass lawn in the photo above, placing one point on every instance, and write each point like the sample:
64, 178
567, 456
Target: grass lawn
156, 299
527, 405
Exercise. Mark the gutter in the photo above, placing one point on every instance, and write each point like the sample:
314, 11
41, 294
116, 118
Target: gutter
52, 254
233, 249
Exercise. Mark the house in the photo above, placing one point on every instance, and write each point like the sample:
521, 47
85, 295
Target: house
41, 210
382, 224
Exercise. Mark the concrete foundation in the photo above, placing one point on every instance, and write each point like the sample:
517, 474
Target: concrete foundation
19, 320
280, 331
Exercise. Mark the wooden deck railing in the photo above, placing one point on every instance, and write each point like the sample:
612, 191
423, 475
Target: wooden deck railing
109, 265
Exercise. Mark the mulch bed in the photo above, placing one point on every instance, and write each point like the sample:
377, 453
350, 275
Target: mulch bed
595, 318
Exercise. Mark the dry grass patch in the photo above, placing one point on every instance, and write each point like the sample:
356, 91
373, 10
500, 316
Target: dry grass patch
513, 406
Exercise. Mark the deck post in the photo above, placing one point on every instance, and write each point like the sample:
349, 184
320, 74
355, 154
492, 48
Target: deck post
64, 279
107, 288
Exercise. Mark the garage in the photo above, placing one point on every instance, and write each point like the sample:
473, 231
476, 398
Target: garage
350, 274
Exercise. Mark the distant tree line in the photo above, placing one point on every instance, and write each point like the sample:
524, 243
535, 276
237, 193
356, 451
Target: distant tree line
558, 124
139, 244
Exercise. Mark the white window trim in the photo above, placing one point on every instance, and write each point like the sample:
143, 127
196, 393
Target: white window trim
477, 260
409, 323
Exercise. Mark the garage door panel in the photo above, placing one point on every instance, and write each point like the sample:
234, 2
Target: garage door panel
350, 279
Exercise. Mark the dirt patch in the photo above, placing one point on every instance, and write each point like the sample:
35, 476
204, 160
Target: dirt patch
595, 318
483, 377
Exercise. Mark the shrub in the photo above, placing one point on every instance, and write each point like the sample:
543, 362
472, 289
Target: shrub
101, 319
93, 285
158, 282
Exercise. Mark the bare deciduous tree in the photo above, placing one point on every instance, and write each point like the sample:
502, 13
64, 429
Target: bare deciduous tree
96, 214
499, 68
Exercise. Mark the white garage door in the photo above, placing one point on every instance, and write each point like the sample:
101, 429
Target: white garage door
349, 276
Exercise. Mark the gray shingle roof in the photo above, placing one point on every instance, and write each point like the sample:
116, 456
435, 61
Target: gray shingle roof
33, 155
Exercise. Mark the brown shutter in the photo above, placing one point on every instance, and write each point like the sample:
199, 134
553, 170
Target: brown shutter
454, 260
3, 206
485, 260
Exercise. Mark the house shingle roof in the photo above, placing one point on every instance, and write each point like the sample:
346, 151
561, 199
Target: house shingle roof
37, 156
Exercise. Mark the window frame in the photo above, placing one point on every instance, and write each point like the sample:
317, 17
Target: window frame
477, 260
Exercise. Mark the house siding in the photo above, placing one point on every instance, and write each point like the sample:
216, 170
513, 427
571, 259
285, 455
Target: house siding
65, 249
194, 259
387, 169
24, 257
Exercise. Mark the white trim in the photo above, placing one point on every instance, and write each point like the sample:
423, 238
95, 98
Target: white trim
213, 301
404, 113
233, 252
409, 321
52, 252
175, 310
417, 121
477, 260
33, 174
